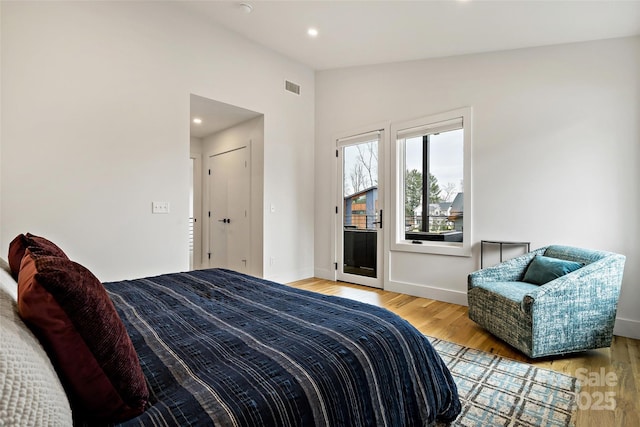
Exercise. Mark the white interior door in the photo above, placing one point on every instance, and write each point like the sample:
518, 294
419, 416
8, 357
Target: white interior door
359, 209
229, 187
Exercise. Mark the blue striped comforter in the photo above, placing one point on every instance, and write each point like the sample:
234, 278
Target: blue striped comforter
221, 348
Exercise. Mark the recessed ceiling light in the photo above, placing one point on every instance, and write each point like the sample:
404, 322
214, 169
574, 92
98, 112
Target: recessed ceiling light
246, 7
197, 120
312, 32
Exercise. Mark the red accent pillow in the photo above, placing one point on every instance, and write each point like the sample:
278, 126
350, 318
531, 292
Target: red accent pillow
72, 315
36, 244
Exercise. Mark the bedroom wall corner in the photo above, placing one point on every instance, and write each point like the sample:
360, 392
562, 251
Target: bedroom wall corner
289, 214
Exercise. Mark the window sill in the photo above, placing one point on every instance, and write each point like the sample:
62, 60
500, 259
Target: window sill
447, 236
432, 247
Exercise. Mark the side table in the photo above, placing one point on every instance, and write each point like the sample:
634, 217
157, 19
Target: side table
501, 243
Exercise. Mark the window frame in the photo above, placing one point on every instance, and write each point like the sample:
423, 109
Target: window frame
398, 241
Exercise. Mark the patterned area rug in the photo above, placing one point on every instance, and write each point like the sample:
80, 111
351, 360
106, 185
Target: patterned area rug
501, 392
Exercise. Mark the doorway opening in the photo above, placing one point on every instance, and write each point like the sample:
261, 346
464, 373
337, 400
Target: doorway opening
226, 148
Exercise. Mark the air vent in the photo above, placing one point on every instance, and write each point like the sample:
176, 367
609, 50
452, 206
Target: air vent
292, 87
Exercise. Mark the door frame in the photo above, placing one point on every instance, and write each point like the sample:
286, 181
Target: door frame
337, 239
197, 210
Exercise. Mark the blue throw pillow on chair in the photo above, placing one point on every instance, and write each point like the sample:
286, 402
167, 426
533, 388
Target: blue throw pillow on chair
543, 269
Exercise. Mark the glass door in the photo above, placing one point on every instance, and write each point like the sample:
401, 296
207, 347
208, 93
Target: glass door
359, 230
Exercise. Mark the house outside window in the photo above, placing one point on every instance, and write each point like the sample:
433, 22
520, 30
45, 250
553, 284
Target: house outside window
360, 209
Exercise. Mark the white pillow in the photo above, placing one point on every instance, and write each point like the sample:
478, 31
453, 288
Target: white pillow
30, 391
6, 280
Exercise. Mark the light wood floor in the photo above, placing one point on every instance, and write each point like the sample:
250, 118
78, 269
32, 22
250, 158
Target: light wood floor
450, 322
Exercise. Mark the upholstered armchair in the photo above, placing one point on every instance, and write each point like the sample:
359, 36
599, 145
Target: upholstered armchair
574, 310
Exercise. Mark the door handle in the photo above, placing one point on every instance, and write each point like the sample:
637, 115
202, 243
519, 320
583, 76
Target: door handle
225, 220
379, 222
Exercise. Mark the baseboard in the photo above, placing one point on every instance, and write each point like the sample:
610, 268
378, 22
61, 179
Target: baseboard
290, 276
324, 273
627, 328
439, 294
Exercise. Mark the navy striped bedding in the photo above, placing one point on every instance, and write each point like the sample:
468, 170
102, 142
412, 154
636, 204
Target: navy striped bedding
221, 348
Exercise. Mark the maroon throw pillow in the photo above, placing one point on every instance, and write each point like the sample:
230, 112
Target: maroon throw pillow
72, 315
36, 244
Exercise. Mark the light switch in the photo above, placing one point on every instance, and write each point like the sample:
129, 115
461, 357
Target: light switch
160, 207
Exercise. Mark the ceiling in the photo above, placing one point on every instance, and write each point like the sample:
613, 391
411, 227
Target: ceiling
356, 33
353, 33
215, 116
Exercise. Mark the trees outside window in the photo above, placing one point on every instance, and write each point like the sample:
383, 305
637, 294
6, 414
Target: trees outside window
438, 157
431, 183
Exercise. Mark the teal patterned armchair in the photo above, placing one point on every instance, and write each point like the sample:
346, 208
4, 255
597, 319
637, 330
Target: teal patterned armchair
573, 312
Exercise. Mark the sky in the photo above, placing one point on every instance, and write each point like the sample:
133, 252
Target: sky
350, 159
447, 162
447, 159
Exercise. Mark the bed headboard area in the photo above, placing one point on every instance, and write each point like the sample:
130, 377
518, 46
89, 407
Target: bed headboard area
30, 391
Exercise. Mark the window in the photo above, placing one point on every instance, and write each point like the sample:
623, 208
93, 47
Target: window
432, 184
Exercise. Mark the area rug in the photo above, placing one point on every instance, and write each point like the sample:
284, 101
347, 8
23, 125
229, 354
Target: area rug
496, 391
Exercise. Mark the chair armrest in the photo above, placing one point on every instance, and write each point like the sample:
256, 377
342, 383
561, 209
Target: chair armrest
508, 271
594, 283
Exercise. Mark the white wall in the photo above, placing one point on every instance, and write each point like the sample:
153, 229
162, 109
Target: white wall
251, 134
95, 126
556, 152
195, 145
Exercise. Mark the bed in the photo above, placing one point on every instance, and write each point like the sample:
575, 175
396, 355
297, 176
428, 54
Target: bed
217, 347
